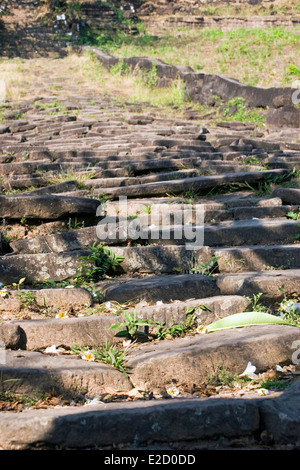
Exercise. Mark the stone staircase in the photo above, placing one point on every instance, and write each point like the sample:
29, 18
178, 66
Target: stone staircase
29, 29
62, 175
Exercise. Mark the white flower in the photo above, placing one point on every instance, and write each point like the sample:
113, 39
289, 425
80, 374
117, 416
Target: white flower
53, 350
3, 293
88, 356
200, 329
93, 401
249, 371
263, 391
61, 315
173, 391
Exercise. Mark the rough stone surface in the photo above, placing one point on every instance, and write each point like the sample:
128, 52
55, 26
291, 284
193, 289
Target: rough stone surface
190, 360
283, 117
40, 267
37, 373
95, 329
267, 282
288, 195
161, 288
126, 423
280, 416
60, 298
45, 207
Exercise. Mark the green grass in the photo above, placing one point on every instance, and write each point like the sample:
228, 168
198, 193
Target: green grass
242, 114
248, 54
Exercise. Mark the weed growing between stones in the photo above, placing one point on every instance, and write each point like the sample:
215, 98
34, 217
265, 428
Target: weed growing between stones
97, 264
208, 268
132, 325
108, 354
290, 310
177, 330
27, 299
256, 305
293, 215
237, 110
223, 377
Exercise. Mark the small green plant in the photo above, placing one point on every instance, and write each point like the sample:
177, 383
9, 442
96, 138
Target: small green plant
148, 208
97, 264
256, 306
294, 70
150, 78
290, 310
74, 224
108, 354
274, 384
27, 299
191, 196
179, 329
297, 235
208, 268
132, 324
293, 215
120, 68
17, 285
252, 161
223, 377
242, 112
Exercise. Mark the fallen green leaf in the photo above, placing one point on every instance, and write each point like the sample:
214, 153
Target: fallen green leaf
238, 320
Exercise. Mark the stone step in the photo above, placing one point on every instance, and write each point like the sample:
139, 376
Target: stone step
33, 374
150, 424
272, 284
15, 300
288, 195
190, 360
38, 268
200, 183
63, 187
257, 258
165, 288
91, 330
29, 168
128, 181
227, 233
46, 206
